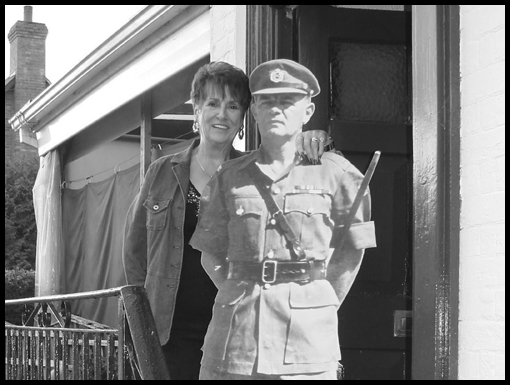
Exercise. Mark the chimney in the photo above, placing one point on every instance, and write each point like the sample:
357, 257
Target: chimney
28, 57
27, 13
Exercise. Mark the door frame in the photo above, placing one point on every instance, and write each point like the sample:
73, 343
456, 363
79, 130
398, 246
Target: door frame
436, 190
436, 170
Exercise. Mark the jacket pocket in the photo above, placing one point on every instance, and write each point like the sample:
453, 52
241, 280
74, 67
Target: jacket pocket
313, 328
245, 224
157, 210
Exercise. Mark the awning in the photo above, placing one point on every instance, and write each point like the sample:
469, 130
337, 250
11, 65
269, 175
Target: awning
99, 99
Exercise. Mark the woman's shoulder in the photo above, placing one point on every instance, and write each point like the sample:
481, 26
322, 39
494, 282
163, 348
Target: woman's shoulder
163, 161
176, 154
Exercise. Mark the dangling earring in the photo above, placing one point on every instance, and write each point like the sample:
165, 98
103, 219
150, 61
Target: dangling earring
195, 127
241, 132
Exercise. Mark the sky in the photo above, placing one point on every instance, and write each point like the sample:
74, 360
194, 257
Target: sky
74, 31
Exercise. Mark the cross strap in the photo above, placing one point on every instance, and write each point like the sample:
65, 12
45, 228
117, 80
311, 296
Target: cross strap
263, 184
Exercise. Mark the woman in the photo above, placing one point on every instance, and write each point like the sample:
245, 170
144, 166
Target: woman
163, 217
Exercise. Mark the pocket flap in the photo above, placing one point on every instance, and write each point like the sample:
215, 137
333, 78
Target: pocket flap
308, 204
156, 205
315, 294
248, 206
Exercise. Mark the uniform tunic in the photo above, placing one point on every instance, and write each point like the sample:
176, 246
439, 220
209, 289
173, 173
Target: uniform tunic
281, 328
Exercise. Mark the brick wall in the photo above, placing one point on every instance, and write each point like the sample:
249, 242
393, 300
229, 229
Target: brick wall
10, 135
482, 239
28, 61
228, 34
228, 42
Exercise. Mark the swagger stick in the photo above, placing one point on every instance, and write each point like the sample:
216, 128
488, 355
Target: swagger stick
359, 195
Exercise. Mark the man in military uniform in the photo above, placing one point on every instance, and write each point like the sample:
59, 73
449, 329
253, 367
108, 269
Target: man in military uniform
272, 240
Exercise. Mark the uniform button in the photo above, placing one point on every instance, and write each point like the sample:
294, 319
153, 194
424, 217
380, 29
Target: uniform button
273, 221
310, 210
155, 207
267, 286
240, 211
276, 190
270, 254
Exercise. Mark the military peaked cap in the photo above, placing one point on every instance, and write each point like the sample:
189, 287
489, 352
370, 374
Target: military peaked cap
283, 76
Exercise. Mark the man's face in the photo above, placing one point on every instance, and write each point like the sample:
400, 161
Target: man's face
281, 115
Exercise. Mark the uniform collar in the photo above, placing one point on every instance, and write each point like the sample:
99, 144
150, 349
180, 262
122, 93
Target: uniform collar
256, 156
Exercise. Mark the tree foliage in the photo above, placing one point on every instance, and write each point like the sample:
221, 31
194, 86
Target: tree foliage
19, 283
20, 226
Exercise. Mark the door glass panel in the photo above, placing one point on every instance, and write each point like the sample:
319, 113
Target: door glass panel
368, 82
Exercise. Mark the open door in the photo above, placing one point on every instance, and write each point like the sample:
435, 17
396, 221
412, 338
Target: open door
362, 59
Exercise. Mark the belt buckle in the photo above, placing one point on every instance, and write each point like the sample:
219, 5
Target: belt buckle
265, 266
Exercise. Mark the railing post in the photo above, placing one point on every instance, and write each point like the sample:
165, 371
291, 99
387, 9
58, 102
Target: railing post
149, 353
120, 338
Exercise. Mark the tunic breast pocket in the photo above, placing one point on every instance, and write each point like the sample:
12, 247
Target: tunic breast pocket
245, 224
309, 214
157, 210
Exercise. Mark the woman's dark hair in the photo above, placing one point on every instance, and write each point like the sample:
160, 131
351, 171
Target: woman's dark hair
221, 74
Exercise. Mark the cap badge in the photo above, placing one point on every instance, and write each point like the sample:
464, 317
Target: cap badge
277, 75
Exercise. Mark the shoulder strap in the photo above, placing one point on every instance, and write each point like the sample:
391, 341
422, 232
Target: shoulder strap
260, 180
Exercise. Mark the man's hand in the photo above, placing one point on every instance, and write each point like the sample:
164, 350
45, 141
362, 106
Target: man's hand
311, 144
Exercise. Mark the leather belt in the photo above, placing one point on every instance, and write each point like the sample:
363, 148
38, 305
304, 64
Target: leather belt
274, 271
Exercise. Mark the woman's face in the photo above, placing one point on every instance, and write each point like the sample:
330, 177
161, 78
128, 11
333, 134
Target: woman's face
219, 116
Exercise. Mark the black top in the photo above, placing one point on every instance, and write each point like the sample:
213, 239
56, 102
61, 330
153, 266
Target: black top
196, 293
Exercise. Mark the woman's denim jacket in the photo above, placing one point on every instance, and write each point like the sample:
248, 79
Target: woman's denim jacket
153, 237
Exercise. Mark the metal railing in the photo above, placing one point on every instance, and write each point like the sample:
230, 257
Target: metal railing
62, 346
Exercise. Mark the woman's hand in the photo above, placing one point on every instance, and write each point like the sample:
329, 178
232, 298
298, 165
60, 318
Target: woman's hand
311, 144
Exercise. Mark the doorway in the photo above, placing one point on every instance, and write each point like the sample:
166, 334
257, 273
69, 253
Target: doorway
433, 142
362, 59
